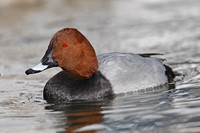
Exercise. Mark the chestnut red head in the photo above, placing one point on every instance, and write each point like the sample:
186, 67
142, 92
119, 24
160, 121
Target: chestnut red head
70, 50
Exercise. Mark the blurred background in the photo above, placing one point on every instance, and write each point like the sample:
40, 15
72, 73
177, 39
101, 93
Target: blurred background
170, 27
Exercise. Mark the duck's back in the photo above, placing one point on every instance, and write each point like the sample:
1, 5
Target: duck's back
130, 72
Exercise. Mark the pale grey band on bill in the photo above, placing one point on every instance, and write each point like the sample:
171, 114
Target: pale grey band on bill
39, 67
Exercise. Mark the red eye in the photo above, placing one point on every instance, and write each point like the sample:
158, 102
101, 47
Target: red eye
64, 45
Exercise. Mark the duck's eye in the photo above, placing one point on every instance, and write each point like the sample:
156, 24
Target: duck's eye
64, 45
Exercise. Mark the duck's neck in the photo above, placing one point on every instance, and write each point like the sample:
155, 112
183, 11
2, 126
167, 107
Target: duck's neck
84, 67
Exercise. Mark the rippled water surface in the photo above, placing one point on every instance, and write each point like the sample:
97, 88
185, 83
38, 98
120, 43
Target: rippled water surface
170, 27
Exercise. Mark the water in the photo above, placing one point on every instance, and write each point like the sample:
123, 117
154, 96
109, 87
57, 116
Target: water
170, 27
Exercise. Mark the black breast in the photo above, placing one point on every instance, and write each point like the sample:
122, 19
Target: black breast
62, 88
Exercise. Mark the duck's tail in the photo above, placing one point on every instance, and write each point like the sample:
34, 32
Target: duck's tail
170, 75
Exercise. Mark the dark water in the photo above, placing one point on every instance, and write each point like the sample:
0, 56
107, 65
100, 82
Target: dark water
170, 27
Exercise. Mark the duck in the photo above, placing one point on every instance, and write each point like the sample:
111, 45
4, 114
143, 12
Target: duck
87, 76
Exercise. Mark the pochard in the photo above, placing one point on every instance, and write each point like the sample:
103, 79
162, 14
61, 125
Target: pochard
85, 76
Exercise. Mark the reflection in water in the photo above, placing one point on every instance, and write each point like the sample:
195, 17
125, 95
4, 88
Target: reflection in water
89, 117
79, 115
158, 110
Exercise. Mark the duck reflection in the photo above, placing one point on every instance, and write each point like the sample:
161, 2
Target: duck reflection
77, 115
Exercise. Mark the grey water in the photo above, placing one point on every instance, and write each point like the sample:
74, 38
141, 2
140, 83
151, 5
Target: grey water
170, 27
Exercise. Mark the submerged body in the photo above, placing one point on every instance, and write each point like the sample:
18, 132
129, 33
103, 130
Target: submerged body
87, 77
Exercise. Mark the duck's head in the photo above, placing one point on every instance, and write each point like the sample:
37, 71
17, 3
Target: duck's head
70, 50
